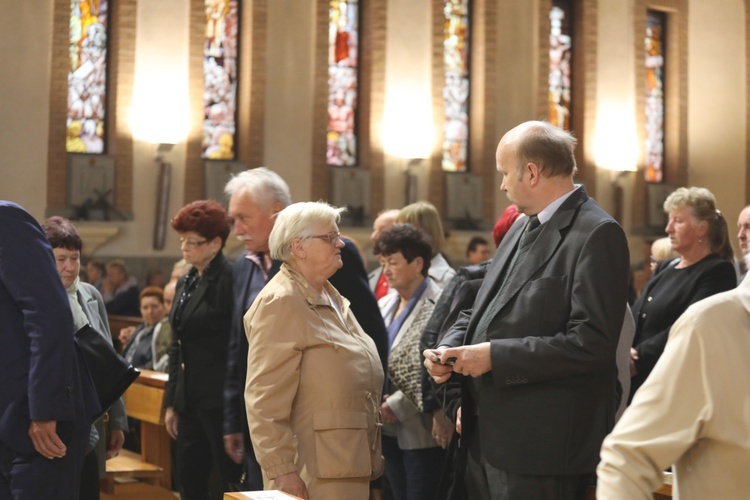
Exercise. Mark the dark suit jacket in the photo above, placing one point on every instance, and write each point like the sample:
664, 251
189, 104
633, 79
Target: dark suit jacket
350, 281
454, 299
42, 376
198, 355
666, 296
550, 397
245, 273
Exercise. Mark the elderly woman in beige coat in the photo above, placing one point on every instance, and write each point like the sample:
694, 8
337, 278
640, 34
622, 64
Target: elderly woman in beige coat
314, 379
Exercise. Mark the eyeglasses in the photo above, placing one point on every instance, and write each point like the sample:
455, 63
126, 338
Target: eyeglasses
192, 243
331, 237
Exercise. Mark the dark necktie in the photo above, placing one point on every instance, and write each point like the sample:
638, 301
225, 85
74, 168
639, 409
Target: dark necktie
529, 236
530, 233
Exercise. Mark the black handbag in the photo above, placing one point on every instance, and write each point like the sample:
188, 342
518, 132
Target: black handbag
110, 374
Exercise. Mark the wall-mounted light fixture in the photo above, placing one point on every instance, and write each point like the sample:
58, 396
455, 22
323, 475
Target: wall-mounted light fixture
616, 149
162, 194
408, 133
160, 117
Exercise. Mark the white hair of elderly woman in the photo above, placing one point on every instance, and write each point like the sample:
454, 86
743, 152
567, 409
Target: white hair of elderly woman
299, 220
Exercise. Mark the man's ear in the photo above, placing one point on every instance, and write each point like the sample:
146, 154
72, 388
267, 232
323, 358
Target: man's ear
534, 173
276, 208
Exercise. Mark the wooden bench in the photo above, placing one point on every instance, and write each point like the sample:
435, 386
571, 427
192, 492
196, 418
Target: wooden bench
265, 495
117, 323
144, 401
129, 464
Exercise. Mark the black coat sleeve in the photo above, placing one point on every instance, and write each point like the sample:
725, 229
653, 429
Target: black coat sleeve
351, 282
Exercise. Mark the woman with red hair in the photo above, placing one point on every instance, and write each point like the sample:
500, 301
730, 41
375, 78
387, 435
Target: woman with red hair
200, 319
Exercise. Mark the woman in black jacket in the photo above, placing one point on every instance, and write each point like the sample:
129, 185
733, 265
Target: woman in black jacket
698, 233
200, 317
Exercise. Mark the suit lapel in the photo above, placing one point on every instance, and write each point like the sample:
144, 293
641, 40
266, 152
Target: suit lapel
195, 299
500, 260
540, 252
203, 283
246, 271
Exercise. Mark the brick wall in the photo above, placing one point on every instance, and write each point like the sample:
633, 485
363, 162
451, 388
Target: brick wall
675, 100
371, 100
120, 77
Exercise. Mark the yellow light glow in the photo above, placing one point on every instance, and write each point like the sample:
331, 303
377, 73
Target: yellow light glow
616, 140
160, 106
408, 129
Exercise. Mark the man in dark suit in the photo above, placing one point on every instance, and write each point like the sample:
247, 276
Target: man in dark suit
46, 397
255, 197
538, 347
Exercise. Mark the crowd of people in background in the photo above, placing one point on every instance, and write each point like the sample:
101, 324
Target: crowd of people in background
294, 369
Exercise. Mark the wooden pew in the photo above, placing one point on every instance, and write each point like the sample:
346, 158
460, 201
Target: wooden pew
117, 323
144, 401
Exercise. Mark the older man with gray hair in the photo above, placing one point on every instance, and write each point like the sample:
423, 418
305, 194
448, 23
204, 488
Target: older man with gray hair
255, 197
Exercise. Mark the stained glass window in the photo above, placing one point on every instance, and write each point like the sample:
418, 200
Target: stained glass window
220, 79
343, 61
560, 67
456, 59
87, 77
655, 24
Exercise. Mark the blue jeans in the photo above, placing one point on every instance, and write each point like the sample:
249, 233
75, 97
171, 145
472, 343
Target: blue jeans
412, 474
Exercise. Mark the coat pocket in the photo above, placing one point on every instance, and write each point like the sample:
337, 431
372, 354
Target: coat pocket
341, 445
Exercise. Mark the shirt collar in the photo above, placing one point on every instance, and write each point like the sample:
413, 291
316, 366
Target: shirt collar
259, 260
550, 209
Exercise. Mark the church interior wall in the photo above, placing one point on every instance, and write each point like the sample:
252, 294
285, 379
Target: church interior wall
717, 107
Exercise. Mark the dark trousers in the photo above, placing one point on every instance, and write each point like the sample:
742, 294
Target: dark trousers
254, 474
412, 474
33, 477
485, 482
200, 446
90, 477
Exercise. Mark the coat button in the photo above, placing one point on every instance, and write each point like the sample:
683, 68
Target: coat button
643, 315
650, 299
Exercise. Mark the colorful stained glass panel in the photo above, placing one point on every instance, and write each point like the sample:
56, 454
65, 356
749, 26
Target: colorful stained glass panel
343, 84
560, 67
456, 59
87, 76
654, 41
220, 53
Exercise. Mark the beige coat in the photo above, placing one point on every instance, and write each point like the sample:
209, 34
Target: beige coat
313, 390
692, 411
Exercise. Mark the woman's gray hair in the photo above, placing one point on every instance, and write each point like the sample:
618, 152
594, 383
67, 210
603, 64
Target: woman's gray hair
264, 186
299, 220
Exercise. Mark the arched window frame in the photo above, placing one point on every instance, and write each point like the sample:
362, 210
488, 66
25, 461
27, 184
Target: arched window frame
675, 172
120, 76
583, 99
